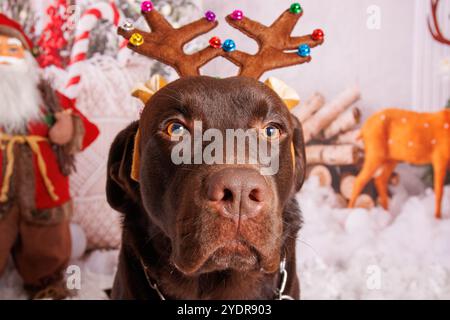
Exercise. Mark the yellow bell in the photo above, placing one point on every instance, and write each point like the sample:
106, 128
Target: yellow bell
137, 39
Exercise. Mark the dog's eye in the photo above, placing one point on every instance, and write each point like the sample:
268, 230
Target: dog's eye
176, 129
271, 132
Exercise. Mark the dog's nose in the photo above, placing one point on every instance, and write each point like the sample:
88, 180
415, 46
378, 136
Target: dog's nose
238, 193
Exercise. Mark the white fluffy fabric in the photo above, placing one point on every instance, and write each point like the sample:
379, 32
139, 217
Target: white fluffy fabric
20, 98
338, 250
407, 249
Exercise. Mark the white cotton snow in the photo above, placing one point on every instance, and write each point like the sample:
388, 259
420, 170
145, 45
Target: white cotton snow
374, 254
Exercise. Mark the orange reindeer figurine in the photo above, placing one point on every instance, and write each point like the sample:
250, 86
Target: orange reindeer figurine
395, 135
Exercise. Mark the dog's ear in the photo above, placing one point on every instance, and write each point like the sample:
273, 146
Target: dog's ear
121, 190
298, 146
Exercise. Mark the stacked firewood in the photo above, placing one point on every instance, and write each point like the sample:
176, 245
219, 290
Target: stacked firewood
334, 148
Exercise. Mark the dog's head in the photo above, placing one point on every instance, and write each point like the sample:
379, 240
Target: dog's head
217, 216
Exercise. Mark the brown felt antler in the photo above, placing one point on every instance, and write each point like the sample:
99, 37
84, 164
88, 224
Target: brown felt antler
277, 48
165, 43
276, 45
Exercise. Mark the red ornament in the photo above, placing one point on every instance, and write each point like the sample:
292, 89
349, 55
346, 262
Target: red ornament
317, 35
215, 42
53, 40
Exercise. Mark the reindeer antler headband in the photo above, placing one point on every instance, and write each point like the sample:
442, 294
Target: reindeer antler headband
277, 48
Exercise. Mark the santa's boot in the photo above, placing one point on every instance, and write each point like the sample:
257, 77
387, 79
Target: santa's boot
54, 289
42, 257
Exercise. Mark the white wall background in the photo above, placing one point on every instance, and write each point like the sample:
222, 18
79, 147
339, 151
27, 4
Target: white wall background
388, 64
431, 80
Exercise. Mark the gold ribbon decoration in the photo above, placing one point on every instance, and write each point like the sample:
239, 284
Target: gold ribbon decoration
8, 142
144, 91
136, 162
288, 94
290, 98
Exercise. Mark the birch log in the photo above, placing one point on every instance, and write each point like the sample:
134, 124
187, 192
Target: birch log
351, 137
328, 113
340, 202
346, 121
312, 105
333, 155
323, 174
346, 185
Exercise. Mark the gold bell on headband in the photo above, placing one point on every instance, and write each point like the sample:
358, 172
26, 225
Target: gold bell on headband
137, 39
289, 96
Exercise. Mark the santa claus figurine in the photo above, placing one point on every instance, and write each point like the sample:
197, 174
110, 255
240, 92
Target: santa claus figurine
40, 131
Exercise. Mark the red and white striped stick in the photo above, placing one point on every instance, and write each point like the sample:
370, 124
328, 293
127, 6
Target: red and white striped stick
88, 21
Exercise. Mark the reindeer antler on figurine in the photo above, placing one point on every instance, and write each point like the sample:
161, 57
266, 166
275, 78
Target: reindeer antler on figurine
433, 25
277, 48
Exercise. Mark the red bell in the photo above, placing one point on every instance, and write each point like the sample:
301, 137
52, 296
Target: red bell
317, 35
215, 42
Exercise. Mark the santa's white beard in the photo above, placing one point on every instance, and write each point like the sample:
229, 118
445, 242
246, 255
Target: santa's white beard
20, 99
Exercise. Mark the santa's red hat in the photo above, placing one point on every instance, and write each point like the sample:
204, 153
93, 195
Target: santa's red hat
11, 28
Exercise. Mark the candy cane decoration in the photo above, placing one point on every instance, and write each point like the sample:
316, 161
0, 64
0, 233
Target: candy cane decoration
87, 22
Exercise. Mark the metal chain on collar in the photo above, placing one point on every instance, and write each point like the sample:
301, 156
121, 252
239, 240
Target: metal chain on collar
284, 276
152, 285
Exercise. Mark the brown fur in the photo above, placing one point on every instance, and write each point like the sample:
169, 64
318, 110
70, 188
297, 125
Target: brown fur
168, 224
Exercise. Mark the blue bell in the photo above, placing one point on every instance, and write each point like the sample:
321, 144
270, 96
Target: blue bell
229, 45
304, 51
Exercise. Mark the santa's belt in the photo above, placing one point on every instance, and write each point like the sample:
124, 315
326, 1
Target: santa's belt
7, 142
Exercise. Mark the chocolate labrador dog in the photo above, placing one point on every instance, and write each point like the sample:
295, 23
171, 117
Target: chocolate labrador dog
207, 231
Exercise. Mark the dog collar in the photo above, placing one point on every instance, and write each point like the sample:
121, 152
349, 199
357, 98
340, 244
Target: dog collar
279, 292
